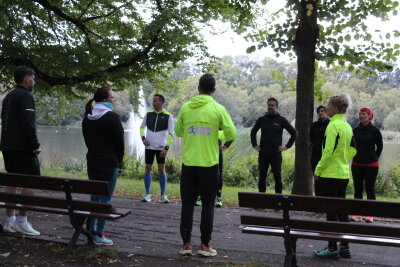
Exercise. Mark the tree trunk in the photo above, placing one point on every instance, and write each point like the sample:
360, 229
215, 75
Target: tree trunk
305, 43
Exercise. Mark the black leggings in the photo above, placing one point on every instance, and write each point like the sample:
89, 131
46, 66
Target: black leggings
331, 187
365, 175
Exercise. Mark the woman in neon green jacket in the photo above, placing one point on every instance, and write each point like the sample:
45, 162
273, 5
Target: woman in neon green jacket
333, 170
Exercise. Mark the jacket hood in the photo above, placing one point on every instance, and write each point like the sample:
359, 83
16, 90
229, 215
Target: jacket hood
200, 100
98, 111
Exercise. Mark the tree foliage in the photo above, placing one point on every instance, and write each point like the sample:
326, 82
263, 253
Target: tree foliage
76, 45
333, 31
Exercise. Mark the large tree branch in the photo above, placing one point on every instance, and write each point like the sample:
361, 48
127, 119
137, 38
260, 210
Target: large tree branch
71, 80
78, 23
103, 16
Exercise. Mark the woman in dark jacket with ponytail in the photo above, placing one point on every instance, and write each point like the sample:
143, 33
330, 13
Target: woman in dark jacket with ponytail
104, 138
365, 164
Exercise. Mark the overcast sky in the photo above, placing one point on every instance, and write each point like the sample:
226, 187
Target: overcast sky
231, 44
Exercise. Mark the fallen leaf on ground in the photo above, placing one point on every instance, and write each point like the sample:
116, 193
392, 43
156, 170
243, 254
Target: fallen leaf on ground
130, 255
6, 254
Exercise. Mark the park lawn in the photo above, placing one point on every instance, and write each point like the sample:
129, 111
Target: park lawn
135, 188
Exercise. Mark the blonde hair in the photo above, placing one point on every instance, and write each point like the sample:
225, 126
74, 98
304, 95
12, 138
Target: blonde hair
342, 102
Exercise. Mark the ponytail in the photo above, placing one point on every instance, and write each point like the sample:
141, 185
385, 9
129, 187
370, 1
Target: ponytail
89, 107
100, 95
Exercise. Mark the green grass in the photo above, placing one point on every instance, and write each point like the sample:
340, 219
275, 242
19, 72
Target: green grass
135, 188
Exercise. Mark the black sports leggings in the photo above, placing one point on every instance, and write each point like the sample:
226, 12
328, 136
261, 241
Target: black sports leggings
365, 175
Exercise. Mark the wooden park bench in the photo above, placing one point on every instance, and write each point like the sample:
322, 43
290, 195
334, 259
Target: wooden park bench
291, 228
79, 211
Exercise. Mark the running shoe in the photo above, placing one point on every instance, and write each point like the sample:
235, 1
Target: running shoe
198, 202
327, 253
186, 250
101, 240
163, 199
344, 252
24, 228
7, 228
206, 251
369, 219
218, 202
146, 198
355, 218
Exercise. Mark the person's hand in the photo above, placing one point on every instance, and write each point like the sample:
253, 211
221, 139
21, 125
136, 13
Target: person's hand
163, 153
146, 142
316, 178
37, 151
258, 148
223, 147
282, 148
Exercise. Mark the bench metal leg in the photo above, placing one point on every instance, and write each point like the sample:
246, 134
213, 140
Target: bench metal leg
290, 257
78, 226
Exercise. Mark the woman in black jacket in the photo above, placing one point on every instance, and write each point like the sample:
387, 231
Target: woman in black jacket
104, 138
365, 164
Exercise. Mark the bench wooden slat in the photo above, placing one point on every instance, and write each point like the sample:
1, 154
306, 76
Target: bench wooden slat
324, 236
53, 183
122, 212
55, 202
375, 208
80, 213
324, 226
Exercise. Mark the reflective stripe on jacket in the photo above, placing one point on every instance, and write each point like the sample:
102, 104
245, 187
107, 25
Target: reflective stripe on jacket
198, 123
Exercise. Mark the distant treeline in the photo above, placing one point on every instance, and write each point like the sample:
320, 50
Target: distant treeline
243, 86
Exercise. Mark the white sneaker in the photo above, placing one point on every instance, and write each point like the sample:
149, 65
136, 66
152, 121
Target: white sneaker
7, 228
163, 199
146, 198
24, 228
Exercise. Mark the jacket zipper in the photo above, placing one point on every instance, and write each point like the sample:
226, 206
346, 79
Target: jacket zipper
155, 125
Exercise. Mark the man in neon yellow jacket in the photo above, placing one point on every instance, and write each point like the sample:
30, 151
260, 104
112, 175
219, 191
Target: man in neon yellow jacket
333, 171
198, 123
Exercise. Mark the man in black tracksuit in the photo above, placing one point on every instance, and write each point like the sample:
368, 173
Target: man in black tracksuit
19, 142
270, 148
317, 133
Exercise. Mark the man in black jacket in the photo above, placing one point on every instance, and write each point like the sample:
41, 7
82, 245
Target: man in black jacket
270, 147
19, 142
317, 133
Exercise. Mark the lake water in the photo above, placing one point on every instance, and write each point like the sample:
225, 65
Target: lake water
62, 145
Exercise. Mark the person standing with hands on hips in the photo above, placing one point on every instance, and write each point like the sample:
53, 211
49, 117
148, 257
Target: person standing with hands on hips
270, 148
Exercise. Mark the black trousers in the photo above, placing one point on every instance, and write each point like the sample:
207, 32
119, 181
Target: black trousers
264, 161
195, 181
331, 187
220, 177
315, 158
365, 175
